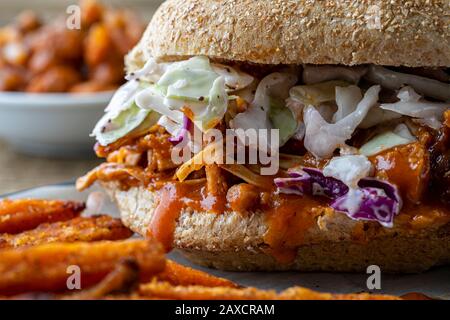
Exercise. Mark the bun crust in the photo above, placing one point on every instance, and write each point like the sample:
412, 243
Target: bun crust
231, 241
393, 33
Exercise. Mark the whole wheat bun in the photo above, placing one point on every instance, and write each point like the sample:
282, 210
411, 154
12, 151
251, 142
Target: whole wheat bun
392, 33
231, 241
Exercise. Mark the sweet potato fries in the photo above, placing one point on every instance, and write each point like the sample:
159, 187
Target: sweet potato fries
86, 229
45, 267
179, 275
44, 243
46, 56
20, 215
164, 290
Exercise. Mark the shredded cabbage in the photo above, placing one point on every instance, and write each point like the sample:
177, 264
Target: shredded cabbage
316, 74
395, 80
348, 169
347, 99
123, 98
371, 199
234, 79
297, 111
371, 204
377, 116
316, 94
153, 99
248, 93
182, 132
282, 119
169, 125
154, 71
323, 138
109, 130
122, 115
387, 140
273, 86
151, 72
189, 80
310, 181
194, 87
210, 116
411, 105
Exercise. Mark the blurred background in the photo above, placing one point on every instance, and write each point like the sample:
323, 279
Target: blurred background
36, 163
50, 8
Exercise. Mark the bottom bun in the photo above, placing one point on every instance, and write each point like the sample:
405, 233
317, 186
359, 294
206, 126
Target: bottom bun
235, 242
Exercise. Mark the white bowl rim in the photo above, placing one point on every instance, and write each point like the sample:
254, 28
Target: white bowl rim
22, 100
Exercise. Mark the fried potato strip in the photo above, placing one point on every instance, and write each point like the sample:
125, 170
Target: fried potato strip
86, 229
299, 293
164, 290
179, 275
45, 268
20, 215
123, 279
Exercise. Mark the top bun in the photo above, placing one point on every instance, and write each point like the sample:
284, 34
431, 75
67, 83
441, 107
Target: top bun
348, 32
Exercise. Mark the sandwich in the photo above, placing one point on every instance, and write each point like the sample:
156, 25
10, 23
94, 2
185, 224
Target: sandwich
286, 135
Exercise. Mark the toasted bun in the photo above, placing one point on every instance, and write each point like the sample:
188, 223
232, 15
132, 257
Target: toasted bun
395, 33
231, 241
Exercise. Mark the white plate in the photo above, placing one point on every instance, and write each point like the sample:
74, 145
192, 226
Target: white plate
54, 124
434, 283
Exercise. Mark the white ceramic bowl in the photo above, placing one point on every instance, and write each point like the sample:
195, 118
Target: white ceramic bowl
52, 125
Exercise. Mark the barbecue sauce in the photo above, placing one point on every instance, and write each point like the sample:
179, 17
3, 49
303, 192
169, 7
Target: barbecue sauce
173, 199
288, 220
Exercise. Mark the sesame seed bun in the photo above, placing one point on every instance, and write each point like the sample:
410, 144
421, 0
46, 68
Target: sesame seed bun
393, 33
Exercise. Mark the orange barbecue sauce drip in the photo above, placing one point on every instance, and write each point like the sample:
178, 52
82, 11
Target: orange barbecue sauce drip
162, 225
288, 219
405, 166
173, 198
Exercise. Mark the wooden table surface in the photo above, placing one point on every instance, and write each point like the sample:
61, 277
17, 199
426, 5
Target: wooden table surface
18, 172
